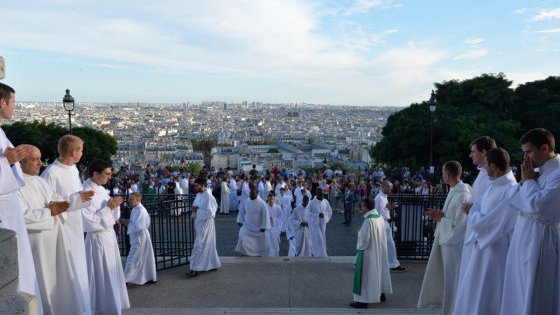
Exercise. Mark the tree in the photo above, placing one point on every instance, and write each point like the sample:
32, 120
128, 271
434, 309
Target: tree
97, 144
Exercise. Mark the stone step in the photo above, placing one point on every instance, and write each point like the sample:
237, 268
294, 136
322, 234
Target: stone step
277, 311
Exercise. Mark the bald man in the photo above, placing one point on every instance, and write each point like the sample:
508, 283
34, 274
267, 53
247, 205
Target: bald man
42, 221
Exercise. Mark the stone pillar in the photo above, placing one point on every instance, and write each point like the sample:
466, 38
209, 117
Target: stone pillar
11, 301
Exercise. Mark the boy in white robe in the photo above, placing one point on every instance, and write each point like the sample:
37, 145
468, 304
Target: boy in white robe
276, 219
285, 200
491, 221
532, 284
298, 231
253, 219
42, 209
224, 194
140, 264
320, 213
371, 276
204, 256
442, 272
384, 207
11, 179
104, 266
63, 176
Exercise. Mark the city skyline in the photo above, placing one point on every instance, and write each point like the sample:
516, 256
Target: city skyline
364, 52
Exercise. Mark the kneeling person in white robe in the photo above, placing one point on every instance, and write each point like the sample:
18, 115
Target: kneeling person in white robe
276, 219
140, 264
439, 287
204, 256
104, 266
371, 276
42, 209
298, 231
491, 222
253, 220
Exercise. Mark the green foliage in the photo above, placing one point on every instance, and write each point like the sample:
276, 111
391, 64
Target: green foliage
484, 105
205, 146
98, 145
273, 150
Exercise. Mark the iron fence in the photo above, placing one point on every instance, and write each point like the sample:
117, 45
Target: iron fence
171, 228
414, 233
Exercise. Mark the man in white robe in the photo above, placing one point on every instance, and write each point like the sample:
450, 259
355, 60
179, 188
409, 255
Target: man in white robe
263, 193
233, 199
50, 253
442, 272
532, 284
140, 264
64, 178
254, 220
384, 207
11, 179
285, 200
298, 231
491, 221
320, 214
204, 256
276, 220
104, 266
224, 194
479, 148
371, 275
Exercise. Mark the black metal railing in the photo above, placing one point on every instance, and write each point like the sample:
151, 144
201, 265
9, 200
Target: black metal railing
414, 233
171, 229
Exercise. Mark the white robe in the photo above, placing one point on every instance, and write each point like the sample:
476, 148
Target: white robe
140, 264
442, 272
50, 253
482, 275
318, 226
286, 203
273, 234
224, 200
104, 266
381, 202
532, 284
263, 193
299, 236
204, 255
253, 214
479, 188
65, 180
11, 217
233, 199
373, 270
245, 190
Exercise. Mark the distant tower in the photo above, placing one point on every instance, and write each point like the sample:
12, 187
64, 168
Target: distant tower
225, 106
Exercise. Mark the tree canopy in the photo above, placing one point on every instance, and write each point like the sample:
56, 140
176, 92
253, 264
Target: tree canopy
466, 110
97, 144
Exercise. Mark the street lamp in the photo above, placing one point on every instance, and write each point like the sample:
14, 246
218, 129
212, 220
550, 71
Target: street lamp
68, 103
432, 104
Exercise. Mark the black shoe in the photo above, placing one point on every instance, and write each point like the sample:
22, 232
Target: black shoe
151, 282
345, 222
398, 269
383, 298
358, 305
192, 274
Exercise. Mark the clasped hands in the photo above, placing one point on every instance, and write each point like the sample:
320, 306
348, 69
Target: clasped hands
435, 214
115, 202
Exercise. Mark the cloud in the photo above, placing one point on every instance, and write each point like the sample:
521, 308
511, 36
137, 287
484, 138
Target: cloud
474, 41
550, 31
520, 11
472, 54
546, 14
364, 6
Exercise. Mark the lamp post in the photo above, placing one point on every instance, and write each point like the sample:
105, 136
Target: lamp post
432, 104
68, 103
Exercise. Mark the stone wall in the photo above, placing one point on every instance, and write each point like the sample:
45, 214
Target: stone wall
12, 302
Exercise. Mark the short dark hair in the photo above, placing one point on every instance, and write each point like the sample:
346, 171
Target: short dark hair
98, 166
5, 91
370, 203
201, 181
538, 137
484, 143
498, 157
454, 168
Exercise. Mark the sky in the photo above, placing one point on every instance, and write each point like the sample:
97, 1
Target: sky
345, 52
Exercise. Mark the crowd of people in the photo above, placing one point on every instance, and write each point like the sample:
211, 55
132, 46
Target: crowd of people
495, 249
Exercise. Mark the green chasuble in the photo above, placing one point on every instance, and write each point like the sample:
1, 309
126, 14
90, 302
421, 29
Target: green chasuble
358, 271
